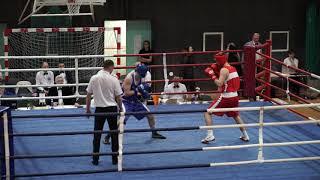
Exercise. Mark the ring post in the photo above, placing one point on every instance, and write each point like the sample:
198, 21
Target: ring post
268, 66
165, 72
6, 145
249, 72
288, 89
76, 65
120, 137
260, 153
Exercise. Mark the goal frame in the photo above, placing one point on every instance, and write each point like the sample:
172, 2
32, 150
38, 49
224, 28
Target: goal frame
9, 31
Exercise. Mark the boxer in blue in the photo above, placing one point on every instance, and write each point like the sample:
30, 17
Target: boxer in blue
133, 86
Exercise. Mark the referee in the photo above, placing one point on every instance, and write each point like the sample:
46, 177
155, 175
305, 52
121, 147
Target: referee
106, 92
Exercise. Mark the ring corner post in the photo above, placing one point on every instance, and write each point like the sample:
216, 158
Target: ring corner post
249, 60
268, 66
6, 143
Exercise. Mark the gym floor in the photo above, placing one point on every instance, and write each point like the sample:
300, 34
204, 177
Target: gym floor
176, 139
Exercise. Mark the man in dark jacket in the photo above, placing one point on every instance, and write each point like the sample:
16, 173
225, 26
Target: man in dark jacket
65, 74
187, 72
62, 91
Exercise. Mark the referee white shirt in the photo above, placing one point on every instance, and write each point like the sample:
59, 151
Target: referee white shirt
104, 87
44, 78
172, 88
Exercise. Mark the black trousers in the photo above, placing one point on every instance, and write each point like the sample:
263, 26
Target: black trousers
98, 126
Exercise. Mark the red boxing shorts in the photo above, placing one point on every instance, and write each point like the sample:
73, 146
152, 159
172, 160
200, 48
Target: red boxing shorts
221, 102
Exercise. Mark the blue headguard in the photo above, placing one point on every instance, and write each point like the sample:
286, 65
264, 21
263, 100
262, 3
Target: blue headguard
142, 70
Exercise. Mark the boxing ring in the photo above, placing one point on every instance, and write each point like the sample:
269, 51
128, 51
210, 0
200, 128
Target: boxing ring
56, 143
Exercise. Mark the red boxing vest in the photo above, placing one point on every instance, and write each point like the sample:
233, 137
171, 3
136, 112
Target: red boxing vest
232, 84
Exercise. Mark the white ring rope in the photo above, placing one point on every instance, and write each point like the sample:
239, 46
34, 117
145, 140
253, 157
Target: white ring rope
258, 124
261, 144
34, 86
51, 69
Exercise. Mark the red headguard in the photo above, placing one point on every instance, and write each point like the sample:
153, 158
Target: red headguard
221, 60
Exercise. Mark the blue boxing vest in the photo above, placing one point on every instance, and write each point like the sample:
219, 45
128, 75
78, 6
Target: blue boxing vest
133, 98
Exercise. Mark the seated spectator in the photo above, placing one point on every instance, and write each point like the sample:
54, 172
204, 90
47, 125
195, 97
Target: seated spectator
65, 74
290, 61
44, 77
176, 87
294, 62
62, 91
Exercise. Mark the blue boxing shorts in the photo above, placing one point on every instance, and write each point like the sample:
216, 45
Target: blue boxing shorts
134, 106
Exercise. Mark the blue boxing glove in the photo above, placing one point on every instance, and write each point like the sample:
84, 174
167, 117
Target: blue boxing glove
144, 89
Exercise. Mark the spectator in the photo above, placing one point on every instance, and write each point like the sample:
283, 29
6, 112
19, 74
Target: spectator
62, 91
176, 87
294, 62
65, 74
255, 41
249, 68
147, 60
234, 56
290, 61
146, 50
187, 72
45, 78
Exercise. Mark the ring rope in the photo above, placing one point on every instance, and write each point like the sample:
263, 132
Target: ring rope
291, 67
116, 67
86, 84
276, 102
284, 91
290, 79
257, 108
84, 96
210, 148
260, 124
73, 133
116, 55
312, 158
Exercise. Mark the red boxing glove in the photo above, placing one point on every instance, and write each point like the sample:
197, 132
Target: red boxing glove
215, 69
214, 77
210, 73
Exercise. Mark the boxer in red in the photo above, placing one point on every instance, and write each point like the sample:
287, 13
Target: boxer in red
227, 79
